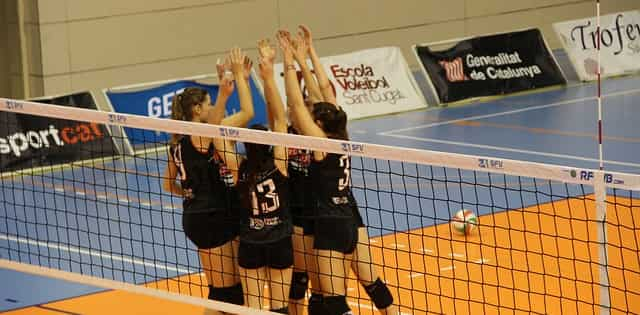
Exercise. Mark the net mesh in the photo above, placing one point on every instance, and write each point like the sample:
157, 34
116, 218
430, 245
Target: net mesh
541, 246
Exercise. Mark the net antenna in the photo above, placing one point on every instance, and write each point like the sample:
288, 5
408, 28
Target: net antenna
600, 191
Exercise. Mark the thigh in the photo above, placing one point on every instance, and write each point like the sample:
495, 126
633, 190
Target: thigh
333, 269
221, 263
253, 284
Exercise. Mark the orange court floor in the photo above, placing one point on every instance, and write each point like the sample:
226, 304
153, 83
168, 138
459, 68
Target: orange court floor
541, 259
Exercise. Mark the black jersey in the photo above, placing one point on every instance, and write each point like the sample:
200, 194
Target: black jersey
206, 181
331, 179
266, 201
300, 183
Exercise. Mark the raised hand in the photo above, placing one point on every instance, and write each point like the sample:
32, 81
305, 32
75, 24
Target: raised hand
248, 64
225, 78
284, 39
267, 57
266, 51
300, 49
237, 59
305, 33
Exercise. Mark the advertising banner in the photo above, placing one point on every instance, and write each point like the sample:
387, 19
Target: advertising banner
368, 82
619, 44
28, 141
490, 65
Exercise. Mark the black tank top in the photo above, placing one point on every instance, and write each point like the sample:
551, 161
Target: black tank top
206, 181
300, 182
266, 201
331, 180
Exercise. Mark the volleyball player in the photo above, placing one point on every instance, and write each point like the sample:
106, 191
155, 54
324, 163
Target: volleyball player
200, 163
362, 265
265, 253
335, 229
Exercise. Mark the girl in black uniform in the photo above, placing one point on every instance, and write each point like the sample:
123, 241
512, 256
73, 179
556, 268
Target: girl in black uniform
203, 167
265, 254
335, 229
319, 91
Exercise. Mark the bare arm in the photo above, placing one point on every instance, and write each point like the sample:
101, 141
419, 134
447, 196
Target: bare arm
300, 50
275, 107
241, 68
323, 80
169, 179
227, 151
303, 120
225, 89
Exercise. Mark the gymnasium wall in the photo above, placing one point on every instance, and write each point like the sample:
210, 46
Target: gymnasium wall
91, 44
11, 57
4, 56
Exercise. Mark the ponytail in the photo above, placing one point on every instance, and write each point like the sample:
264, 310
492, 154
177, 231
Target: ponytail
182, 106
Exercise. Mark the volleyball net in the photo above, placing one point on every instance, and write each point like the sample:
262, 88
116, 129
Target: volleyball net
549, 238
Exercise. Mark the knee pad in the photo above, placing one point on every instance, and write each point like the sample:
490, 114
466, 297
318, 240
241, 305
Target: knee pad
336, 305
316, 305
379, 294
299, 285
232, 294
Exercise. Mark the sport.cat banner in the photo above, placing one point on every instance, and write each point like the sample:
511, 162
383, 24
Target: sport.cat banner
490, 65
368, 82
28, 141
619, 44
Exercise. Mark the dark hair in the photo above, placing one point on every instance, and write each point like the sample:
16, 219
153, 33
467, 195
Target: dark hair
258, 155
334, 120
183, 103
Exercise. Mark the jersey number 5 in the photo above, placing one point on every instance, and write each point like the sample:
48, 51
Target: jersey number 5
271, 202
343, 182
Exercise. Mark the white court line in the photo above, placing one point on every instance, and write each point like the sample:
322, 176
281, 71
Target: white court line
372, 241
59, 189
456, 255
507, 149
396, 245
482, 261
101, 196
426, 251
92, 252
416, 274
80, 193
509, 112
448, 268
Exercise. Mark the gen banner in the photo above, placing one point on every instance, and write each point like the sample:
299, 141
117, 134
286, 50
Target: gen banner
28, 141
619, 44
490, 65
156, 102
368, 82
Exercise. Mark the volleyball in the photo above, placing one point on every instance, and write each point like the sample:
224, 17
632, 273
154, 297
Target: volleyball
464, 222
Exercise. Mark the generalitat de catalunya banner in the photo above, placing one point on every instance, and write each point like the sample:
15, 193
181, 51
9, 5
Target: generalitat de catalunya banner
619, 44
490, 65
368, 82
156, 102
28, 141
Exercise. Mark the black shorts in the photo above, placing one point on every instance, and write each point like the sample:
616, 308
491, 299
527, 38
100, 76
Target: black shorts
302, 219
336, 234
209, 229
358, 217
277, 255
